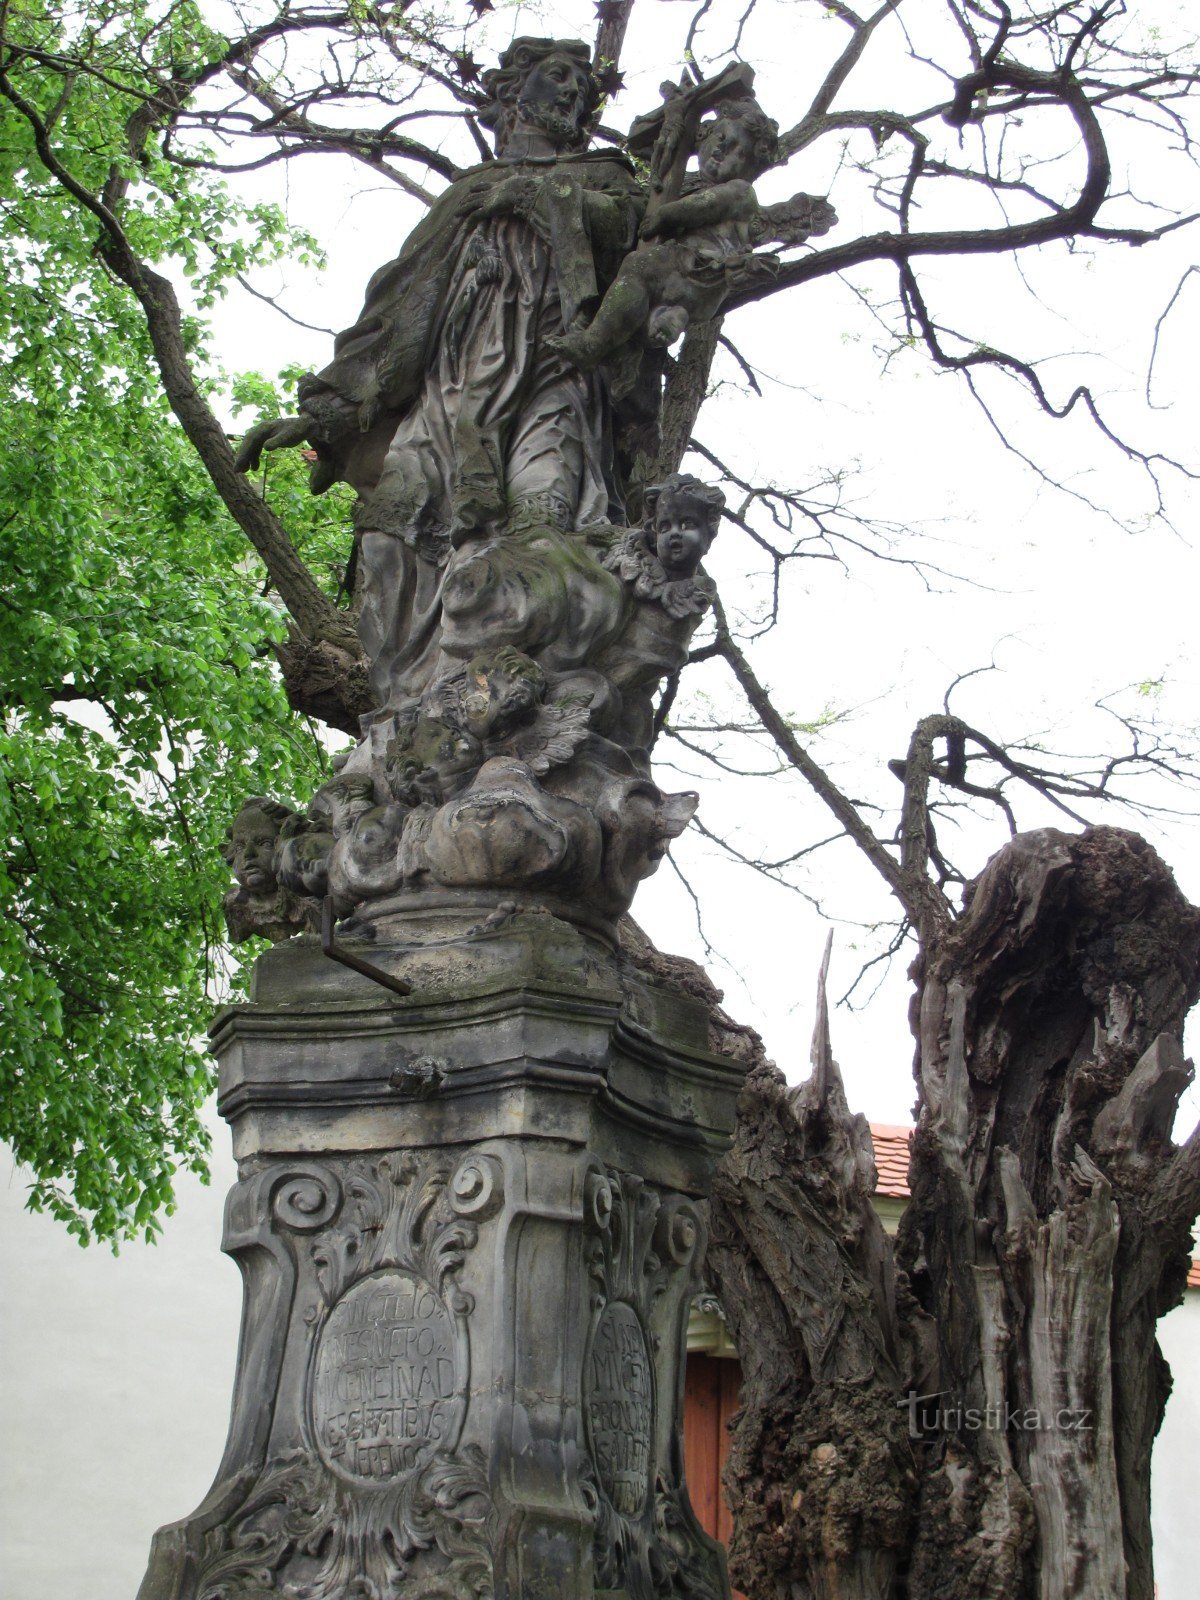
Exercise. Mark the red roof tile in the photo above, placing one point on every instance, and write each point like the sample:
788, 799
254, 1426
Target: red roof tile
891, 1158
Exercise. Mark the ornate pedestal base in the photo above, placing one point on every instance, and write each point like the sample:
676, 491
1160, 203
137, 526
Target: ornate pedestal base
467, 1230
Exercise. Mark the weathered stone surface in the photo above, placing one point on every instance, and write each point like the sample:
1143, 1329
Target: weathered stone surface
468, 1226
486, 407
468, 1209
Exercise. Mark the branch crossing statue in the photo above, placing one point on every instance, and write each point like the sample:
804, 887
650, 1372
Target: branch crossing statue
495, 409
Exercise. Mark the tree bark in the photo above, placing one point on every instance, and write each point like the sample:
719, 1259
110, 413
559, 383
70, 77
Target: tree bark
1048, 1071
971, 1416
821, 1477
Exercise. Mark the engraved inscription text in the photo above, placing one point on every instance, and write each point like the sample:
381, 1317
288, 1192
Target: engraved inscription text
619, 1403
385, 1378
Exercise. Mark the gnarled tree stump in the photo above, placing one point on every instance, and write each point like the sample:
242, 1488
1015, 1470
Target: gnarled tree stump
1013, 1334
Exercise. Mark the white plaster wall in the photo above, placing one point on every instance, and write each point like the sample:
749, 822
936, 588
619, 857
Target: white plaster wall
1175, 1469
115, 1380
116, 1374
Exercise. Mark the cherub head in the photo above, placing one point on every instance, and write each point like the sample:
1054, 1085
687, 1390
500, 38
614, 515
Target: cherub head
741, 141
682, 518
249, 845
504, 689
545, 84
338, 804
430, 757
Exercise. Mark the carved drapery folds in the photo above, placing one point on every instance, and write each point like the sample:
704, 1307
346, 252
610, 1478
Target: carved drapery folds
486, 408
524, 763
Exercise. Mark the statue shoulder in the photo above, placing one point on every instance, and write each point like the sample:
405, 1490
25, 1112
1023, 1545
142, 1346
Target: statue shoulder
604, 169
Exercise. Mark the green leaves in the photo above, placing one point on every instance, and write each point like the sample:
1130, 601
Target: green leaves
140, 705
139, 699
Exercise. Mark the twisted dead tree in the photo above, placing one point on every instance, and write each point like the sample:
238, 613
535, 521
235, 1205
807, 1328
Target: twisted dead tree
971, 1412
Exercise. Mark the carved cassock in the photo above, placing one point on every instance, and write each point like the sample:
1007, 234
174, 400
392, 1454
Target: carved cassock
468, 410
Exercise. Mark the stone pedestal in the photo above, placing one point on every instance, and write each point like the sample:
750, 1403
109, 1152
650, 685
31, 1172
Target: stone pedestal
467, 1224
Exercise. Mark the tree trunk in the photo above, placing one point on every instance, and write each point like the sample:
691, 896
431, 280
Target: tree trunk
821, 1474
973, 1420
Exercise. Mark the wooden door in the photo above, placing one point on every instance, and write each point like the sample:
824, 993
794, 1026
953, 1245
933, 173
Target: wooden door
710, 1397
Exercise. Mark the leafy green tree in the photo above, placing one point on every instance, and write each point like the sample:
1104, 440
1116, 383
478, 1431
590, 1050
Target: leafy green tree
141, 701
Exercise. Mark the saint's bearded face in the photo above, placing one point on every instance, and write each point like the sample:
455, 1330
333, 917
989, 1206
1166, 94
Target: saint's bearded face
553, 98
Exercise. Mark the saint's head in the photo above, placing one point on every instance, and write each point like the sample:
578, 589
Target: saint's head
543, 97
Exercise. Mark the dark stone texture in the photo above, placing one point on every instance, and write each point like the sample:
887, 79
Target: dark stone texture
487, 408
468, 1224
469, 1213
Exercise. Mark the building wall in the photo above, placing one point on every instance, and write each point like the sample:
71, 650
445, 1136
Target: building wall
1175, 1467
115, 1380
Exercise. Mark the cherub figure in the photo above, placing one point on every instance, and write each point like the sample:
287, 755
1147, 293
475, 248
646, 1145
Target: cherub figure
260, 905
694, 245
305, 843
499, 705
660, 561
659, 564
432, 755
509, 704
504, 689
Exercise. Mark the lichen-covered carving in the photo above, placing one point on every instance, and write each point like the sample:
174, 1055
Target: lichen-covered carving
659, 564
260, 905
695, 248
380, 1497
643, 1249
300, 1533
517, 629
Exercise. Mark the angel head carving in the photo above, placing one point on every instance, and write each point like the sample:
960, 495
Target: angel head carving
508, 706
740, 141
260, 904
682, 518
504, 689
432, 755
250, 843
499, 705
660, 561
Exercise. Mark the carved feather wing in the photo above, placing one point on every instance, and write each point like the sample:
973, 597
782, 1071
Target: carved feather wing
553, 736
792, 221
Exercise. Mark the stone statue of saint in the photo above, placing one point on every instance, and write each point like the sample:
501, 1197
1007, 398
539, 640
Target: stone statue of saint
484, 407
446, 406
